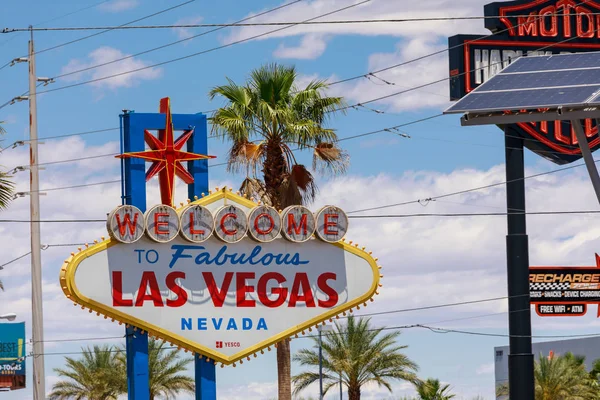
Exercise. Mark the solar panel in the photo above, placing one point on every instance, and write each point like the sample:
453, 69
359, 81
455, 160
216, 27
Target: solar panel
524, 99
538, 82
555, 62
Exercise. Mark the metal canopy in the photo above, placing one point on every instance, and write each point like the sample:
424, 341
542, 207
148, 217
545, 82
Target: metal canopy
542, 88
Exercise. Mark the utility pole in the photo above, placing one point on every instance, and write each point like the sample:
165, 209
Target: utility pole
37, 314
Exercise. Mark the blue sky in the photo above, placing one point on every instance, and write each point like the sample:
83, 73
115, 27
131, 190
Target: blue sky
426, 261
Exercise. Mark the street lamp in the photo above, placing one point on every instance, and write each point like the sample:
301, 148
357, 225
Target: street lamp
321, 329
9, 316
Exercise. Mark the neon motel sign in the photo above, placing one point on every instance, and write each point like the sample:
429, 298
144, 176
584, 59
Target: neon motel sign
223, 276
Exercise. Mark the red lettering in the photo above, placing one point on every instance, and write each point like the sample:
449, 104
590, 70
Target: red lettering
192, 230
550, 12
558, 133
242, 289
149, 280
528, 26
584, 12
117, 290
158, 224
329, 224
590, 131
268, 230
566, 6
328, 290
182, 295
280, 291
127, 224
217, 296
301, 283
292, 224
223, 228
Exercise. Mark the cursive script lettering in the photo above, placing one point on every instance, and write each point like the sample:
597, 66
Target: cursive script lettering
255, 257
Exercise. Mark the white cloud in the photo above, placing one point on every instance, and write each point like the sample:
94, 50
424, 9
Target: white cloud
115, 6
425, 261
372, 10
397, 83
485, 369
185, 33
311, 46
106, 54
415, 39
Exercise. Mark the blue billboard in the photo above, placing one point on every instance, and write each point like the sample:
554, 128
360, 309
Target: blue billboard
12, 349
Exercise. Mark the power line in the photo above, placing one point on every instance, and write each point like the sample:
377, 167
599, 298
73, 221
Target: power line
44, 247
197, 53
172, 43
15, 260
574, 212
110, 29
467, 190
54, 19
276, 23
96, 34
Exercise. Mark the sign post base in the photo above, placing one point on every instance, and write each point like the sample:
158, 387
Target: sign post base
206, 381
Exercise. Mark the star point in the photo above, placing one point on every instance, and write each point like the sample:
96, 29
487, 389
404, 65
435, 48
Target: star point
166, 155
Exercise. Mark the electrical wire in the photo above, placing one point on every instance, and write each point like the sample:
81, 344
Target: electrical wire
276, 23
44, 247
96, 34
110, 29
456, 215
173, 43
468, 190
51, 20
15, 260
198, 53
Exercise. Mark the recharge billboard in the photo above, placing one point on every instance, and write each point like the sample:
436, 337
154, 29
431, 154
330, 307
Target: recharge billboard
12, 355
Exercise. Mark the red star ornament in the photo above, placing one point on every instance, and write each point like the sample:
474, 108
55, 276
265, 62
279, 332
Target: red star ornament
166, 155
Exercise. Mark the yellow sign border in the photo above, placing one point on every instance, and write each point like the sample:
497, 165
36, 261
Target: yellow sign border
67, 282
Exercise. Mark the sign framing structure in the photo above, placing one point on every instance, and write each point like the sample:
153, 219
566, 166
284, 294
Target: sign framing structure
529, 27
359, 283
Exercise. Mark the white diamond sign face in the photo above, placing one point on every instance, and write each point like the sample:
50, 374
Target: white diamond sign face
222, 300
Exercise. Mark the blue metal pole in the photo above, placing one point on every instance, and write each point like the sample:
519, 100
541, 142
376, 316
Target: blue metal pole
206, 379
206, 383
320, 365
135, 194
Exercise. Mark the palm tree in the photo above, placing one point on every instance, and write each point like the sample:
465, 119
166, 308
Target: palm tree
6, 185
101, 374
165, 367
432, 389
266, 120
361, 354
98, 375
560, 378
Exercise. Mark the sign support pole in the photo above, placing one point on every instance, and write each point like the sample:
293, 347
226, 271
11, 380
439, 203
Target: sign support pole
520, 358
135, 194
205, 371
587, 156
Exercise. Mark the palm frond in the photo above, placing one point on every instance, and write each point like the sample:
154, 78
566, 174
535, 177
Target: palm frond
329, 158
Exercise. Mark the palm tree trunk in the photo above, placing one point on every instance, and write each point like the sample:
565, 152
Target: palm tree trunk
354, 392
284, 371
274, 170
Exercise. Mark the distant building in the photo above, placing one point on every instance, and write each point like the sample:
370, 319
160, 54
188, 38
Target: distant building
588, 347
